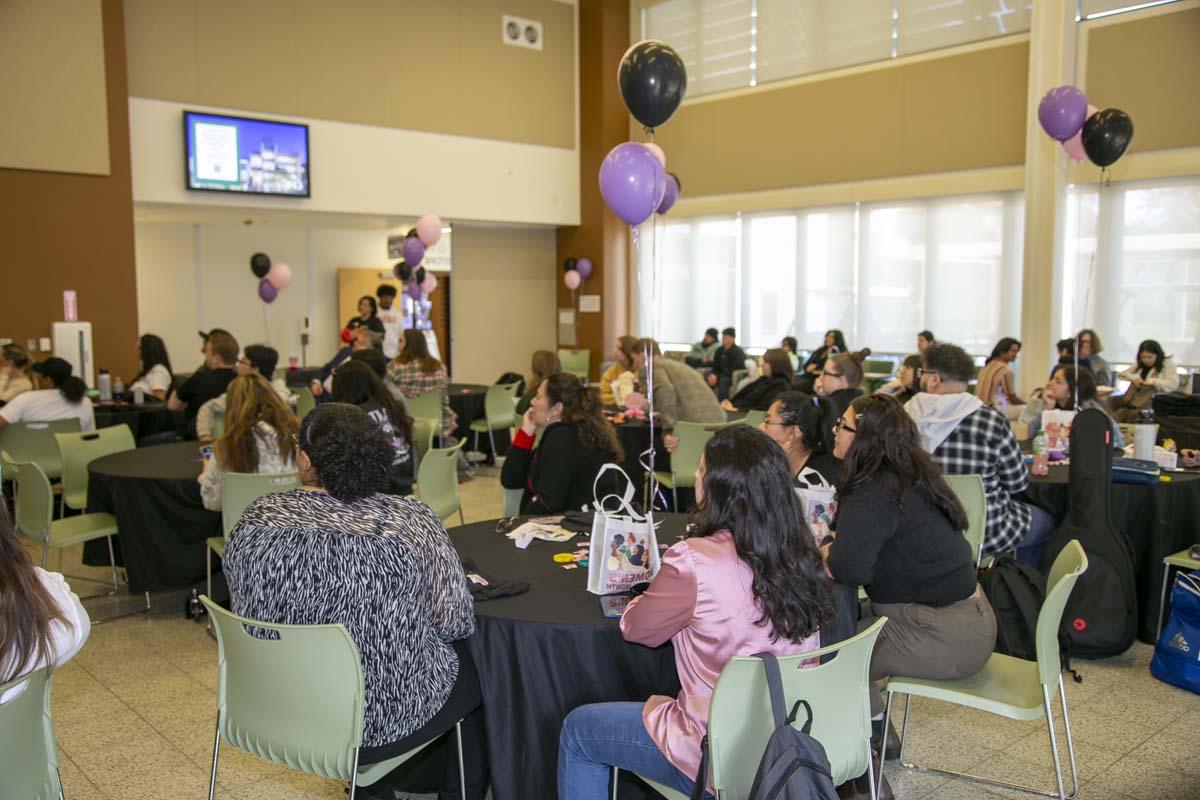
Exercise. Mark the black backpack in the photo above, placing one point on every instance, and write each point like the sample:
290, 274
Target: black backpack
793, 765
1101, 616
1016, 592
512, 377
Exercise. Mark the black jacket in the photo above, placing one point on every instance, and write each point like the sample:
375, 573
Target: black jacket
726, 362
560, 470
760, 393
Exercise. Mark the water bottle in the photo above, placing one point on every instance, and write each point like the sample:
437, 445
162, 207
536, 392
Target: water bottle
1145, 432
1041, 455
139, 396
105, 386
118, 388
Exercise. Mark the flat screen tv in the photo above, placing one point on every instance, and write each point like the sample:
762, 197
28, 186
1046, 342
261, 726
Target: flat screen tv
239, 154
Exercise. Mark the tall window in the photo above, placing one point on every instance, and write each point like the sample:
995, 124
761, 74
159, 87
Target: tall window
878, 272
1140, 277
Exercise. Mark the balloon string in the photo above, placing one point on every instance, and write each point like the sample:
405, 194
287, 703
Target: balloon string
647, 457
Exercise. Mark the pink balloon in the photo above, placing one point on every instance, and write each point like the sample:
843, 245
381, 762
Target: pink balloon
572, 279
1073, 147
658, 152
430, 282
429, 229
279, 275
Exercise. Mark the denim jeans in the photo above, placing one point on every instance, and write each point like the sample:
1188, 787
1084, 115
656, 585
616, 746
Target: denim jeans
1029, 549
597, 737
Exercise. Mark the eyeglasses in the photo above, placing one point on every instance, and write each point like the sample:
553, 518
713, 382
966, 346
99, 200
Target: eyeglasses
829, 374
244, 362
769, 422
841, 425
507, 524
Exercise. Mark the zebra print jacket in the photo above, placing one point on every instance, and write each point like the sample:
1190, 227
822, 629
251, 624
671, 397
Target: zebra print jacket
382, 566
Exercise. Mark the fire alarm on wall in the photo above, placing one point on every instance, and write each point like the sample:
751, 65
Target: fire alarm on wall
521, 32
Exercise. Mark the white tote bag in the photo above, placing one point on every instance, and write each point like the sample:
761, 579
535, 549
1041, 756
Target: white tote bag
817, 498
624, 549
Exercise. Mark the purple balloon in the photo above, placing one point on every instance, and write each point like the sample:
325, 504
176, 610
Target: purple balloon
670, 196
584, 267
266, 292
414, 251
632, 182
1062, 112
414, 289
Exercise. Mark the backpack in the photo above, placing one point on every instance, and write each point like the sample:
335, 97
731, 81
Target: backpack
1101, 615
512, 377
793, 765
1177, 655
1016, 592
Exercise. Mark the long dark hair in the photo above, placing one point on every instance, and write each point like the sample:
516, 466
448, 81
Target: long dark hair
1150, 346
1002, 347
800, 410
374, 306
887, 450
743, 467
1085, 380
582, 408
153, 352
72, 388
354, 382
781, 365
839, 341
26, 608
417, 349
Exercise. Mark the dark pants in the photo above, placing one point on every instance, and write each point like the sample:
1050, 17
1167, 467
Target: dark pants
436, 767
724, 384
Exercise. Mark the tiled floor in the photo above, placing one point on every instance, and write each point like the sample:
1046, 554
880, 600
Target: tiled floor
134, 713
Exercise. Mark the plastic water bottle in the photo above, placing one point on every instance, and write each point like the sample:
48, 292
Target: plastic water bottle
1041, 456
118, 386
139, 396
105, 386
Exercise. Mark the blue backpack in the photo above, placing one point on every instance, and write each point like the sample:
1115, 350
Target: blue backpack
1177, 655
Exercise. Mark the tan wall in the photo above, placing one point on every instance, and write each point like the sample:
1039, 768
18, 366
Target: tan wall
52, 95
1150, 68
64, 231
427, 66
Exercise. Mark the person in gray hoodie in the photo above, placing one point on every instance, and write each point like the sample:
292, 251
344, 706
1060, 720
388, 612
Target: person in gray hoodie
967, 437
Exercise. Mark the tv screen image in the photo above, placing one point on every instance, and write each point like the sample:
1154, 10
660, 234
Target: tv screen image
239, 154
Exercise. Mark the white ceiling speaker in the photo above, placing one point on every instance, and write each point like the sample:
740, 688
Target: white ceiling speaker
521, 32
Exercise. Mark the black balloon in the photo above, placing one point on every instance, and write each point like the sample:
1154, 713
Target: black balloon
653, 82
420, 276
402, 271
1106, 135
570, 264
260, 264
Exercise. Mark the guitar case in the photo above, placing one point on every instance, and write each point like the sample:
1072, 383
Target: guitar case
1100, 618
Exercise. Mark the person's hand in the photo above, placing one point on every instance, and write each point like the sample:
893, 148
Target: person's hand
712, 379
728, 406
1191, 458
825, 548
529, 422
1137, 381
317, 388
670, 441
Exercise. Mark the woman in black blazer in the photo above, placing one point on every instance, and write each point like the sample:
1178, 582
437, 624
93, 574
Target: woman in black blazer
558, 474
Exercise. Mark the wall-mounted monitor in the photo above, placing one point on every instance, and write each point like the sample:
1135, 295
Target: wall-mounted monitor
240, 154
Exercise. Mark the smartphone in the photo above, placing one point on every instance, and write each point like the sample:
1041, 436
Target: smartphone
206, 451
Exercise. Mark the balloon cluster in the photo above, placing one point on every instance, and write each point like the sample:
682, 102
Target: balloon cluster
633, 176
575, 270
1101, 136
409, 271
272, 277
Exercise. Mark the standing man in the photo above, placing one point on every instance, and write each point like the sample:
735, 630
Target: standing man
728, 359
392, 319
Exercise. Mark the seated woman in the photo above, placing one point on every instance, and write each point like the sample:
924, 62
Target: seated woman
833, 344
794, 422
559, 474
746, 579
836, 387
14, 372
299, 558
899, 535
789, 345
42, 622
67, 400
995, 386
416, 372
758, 395
355, 383
1153, 373
1088, 343
259, 436
542, 365
1060, 393
622, 364
905, 387
156, 376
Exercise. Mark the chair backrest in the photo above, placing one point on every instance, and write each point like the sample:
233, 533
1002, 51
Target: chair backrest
969, 490
437, 479
692, 438
575, 362
240, 489
294, 699
1070, 564
218, 424
77, 450
499, 408
740, 720
426, 404
29, 757
424, 429
512, 389
34, 500
34, 441
512, 501
305, 402
753, 418
879, 366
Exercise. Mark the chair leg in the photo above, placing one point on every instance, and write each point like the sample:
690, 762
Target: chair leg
904, 727
112, 562
212, 780
46, 550
1062, 697
461, 519
887, 720
1046, 703
1162, 598
615, 773
492, 442
462, 772
871, 773
208, 583
354, 775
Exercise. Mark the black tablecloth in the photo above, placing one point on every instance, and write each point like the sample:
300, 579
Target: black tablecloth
153, 493
145, 420
1158, 519
547, 651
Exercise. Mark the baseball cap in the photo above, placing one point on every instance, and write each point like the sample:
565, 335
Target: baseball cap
56, 369
204, 335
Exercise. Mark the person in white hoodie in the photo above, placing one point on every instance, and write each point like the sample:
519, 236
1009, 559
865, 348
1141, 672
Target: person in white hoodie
967, 437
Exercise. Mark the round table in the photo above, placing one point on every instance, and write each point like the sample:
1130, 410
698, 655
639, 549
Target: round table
162, 524
545, 652
1158, 519
145, 420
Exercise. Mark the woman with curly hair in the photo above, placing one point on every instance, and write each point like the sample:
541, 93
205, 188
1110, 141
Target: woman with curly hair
747, 578
560, 473
341, 550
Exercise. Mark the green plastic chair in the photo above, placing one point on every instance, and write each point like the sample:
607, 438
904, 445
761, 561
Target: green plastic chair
512, 502
1011, 687
34, 441
35, 515
753, 418
437, 481
969, 490
499, 412
424, 429
692, 438
77, 450
29, 758
305, 402
575, 362
740, 720
427, 404
296, 699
